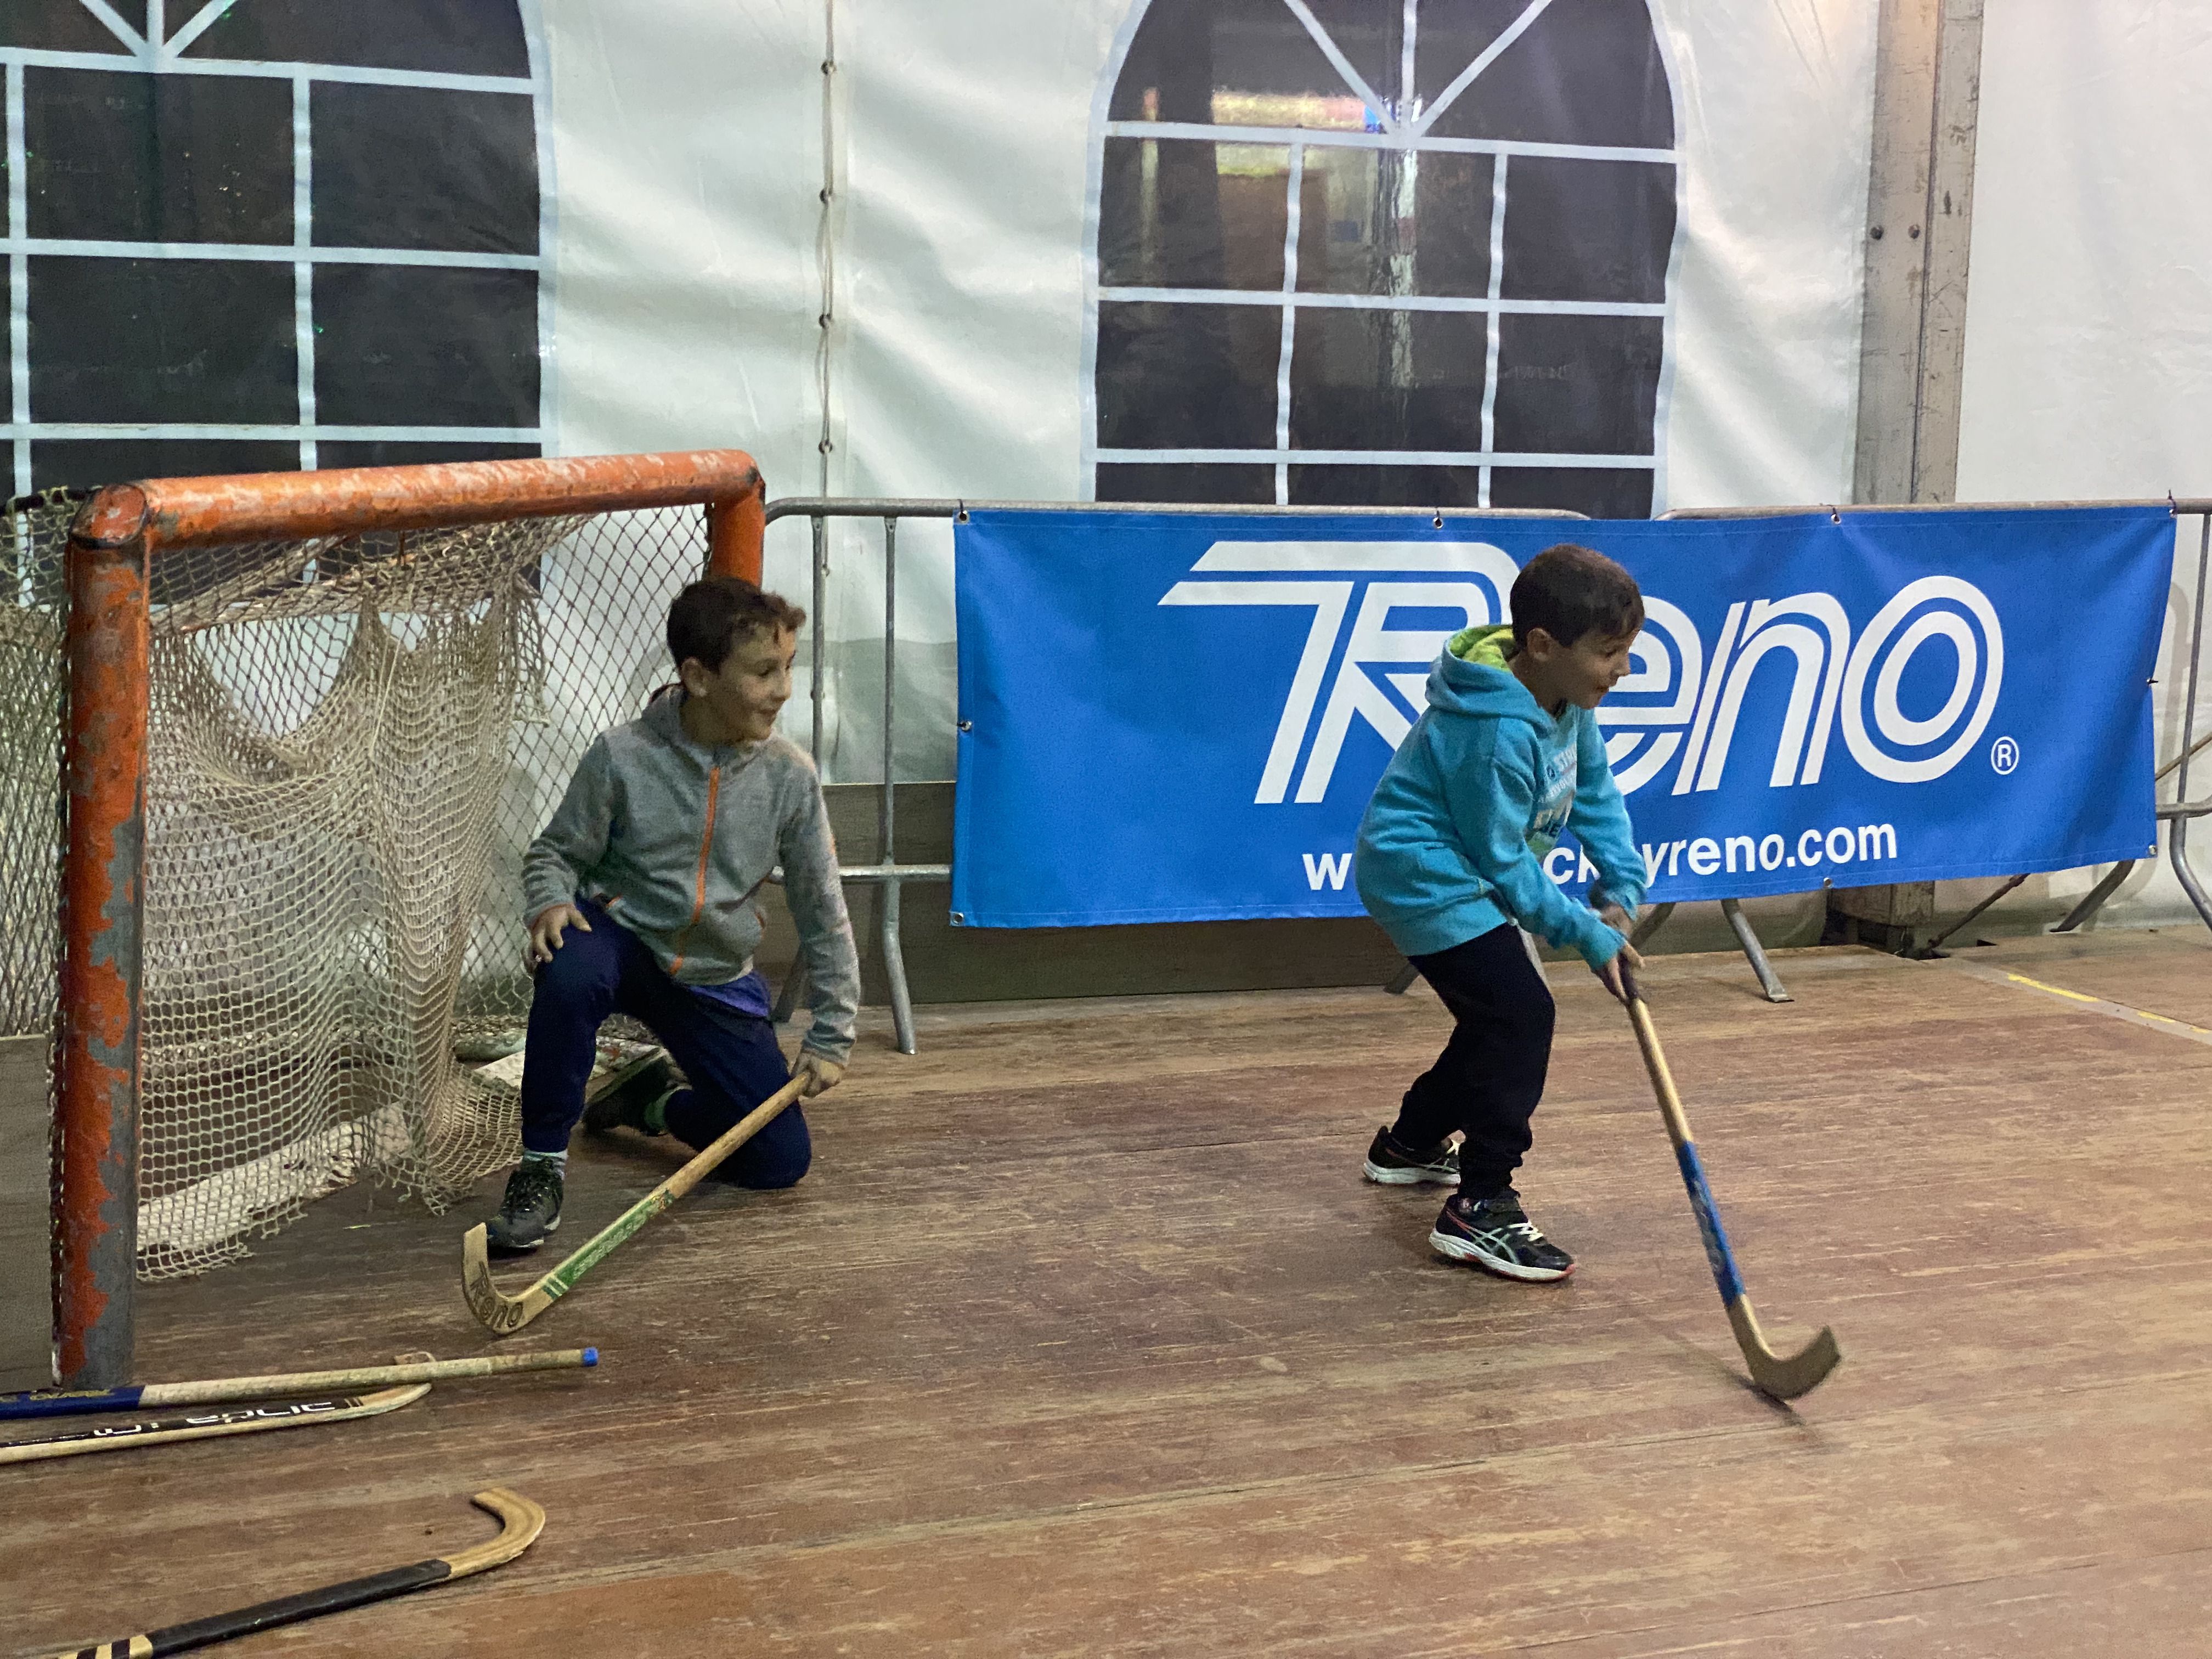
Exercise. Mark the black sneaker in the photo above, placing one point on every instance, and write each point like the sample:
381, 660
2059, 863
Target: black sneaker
625, 1105
1394, 1163
1495, 1234
530, 1213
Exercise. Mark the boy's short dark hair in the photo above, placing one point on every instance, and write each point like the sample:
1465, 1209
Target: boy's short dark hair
1570, 591
709, 617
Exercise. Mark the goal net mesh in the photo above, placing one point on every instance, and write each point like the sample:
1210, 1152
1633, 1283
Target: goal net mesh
353, 740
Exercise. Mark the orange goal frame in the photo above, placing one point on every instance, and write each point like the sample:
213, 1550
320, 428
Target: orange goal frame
112, 545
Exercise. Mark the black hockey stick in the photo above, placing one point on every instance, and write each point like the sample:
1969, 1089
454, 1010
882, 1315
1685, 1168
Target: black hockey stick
521, 1521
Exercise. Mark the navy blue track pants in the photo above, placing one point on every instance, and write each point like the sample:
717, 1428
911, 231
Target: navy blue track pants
731, 1058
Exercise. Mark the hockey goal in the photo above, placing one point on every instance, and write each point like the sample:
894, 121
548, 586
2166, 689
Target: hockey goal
311, 722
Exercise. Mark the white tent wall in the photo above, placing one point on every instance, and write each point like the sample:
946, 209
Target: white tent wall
1776, 106
957, 360
2088, 371
685, 135
687, 141
686, 158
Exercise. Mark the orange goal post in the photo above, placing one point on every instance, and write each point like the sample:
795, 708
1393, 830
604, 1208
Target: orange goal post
308, 720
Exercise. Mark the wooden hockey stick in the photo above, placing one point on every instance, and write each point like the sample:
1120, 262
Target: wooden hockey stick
209, 1425
503, 1314
521, 1521
63, 1403
1782, 1376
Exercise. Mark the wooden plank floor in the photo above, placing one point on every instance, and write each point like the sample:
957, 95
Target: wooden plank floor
1086, 1337
2168, 971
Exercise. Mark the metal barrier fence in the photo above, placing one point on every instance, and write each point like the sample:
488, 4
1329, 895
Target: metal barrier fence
2179, 811
890, 874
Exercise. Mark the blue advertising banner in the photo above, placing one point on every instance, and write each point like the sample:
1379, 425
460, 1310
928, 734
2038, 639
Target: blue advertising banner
1172, 717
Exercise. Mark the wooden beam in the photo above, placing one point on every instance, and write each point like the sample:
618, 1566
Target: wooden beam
1912, 341
1919, 232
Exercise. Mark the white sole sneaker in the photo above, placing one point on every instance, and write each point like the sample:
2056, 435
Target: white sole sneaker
1461, 1249
1381, 1176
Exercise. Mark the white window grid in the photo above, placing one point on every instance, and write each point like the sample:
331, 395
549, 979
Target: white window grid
1406, 125
160, 51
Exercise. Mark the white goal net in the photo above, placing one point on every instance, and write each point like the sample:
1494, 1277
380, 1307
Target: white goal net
353, 739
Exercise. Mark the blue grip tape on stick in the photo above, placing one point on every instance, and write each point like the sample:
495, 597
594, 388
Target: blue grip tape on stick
1717, 1256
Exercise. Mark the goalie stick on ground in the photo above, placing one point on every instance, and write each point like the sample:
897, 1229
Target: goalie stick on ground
502, 1313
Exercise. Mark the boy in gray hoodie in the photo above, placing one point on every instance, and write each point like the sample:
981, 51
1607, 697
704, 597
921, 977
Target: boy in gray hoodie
639, 900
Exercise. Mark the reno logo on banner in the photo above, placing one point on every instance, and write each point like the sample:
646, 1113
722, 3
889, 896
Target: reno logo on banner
1180, 717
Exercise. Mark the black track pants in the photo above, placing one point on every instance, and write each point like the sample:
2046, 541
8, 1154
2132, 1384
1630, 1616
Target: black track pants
1491, 1074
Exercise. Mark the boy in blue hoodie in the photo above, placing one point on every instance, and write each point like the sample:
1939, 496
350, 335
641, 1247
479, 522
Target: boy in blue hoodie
1450, 862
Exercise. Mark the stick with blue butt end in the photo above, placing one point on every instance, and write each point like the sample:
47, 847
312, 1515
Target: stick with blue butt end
1780, 1375
57, 1402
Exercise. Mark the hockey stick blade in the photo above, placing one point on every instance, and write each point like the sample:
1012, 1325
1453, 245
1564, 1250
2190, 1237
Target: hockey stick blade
502, 1314
1774, 1375
1782, 1376
521, 1521
209, 1426
1777, 1375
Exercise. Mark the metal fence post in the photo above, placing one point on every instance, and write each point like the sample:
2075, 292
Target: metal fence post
894, 952
103, 896
2178, 842
1769, 983
819, 637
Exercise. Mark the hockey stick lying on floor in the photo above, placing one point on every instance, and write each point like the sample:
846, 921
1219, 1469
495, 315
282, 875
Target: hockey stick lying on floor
209, 1425
521, 1521
1783, 1377
502, 1313
63, 1403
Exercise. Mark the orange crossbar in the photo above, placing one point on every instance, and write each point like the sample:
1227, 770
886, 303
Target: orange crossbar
279, 506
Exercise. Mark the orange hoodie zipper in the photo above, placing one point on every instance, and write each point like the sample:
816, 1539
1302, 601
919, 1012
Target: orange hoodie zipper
699, 883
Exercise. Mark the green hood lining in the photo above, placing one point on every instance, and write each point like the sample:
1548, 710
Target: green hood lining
1485, 648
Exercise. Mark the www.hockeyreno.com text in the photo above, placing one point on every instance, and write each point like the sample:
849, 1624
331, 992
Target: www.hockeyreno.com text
1704, 855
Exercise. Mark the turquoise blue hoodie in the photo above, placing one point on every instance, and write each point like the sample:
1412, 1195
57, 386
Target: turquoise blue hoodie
1454, 841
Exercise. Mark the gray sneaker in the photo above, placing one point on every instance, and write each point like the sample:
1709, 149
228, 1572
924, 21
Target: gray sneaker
530, 1213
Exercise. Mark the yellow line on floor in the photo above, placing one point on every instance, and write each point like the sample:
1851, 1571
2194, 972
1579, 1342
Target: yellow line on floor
2055, 990
2172, 1027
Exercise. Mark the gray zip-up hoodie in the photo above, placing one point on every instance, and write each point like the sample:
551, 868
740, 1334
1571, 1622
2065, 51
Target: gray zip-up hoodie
675, 838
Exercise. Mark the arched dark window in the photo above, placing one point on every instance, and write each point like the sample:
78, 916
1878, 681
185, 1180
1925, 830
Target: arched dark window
1384, 251
259, 234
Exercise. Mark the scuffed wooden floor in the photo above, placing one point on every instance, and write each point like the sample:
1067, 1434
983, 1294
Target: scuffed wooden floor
1086, 1337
